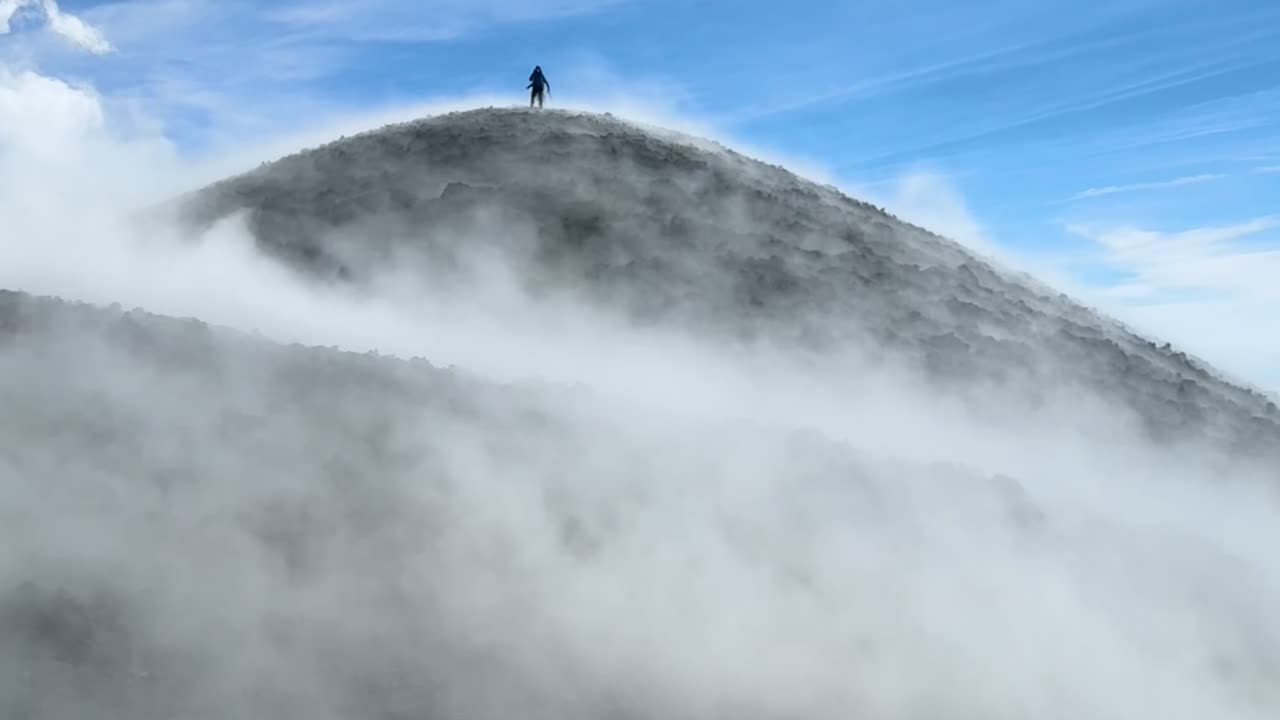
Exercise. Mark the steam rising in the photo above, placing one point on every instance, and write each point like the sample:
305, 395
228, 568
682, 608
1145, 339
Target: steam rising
462, 480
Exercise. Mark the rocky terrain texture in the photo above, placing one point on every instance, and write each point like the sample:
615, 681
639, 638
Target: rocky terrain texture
671, 229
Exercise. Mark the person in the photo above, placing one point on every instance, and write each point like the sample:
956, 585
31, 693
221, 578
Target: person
537, 82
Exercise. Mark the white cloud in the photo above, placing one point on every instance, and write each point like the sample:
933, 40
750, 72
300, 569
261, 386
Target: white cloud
38, 113
1134, 187
1210, 289
1268, 169
8, 9
1199, 259
75, 29
67, 26
53, 137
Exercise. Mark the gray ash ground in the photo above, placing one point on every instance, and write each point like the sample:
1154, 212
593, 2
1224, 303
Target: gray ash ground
671, 230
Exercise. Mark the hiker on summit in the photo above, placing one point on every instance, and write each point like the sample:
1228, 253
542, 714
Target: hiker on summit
537, 82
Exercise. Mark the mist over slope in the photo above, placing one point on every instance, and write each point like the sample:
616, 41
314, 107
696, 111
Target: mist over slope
673, 231
645, 429
202, 523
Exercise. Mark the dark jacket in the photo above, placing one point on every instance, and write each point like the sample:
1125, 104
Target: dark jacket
537, 80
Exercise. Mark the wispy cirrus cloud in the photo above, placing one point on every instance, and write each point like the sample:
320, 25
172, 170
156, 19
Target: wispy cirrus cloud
1267, 169
67, 26
424, 21
1136, 187
1236, 258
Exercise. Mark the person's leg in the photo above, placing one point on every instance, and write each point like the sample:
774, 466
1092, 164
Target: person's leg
540, 92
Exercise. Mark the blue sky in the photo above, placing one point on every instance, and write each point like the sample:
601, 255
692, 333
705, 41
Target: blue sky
1127, 151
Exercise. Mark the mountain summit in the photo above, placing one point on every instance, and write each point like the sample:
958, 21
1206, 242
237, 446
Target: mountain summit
771, 453
677, 231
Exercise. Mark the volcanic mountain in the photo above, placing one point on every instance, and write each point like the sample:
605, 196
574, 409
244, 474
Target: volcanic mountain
671, 229
724, 443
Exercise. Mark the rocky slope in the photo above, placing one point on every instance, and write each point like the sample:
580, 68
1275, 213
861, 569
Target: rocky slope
672, 230
198, 522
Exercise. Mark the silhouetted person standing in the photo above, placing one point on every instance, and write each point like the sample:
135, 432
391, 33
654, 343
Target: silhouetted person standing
537, 83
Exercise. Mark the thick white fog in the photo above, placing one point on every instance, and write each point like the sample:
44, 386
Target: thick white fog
584, 516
